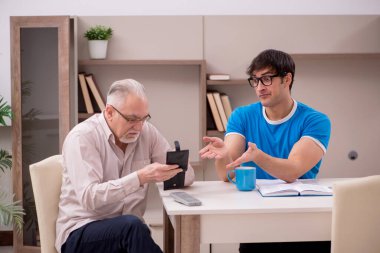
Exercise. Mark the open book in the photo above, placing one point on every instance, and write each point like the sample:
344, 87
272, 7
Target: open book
275, 188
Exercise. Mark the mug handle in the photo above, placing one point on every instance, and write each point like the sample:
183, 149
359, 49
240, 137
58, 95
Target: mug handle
229, 178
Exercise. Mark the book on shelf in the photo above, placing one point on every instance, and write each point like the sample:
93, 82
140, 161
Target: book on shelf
278, 188
226, 104
219, 105
85, 93
94, 103
210, 119
94, 88
220, 77
81, 103
214, 112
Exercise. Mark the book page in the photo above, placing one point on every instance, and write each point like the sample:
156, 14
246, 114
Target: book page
278, 188
261, 182
314, 189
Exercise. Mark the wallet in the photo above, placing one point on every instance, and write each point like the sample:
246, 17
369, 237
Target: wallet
180, 157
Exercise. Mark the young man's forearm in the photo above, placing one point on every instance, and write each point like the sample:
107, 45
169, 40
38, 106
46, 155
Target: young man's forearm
284, 169
220, 165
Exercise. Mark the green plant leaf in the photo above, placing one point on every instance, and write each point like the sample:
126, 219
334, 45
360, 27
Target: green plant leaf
5, 111
12, 213
5, 160
99, 32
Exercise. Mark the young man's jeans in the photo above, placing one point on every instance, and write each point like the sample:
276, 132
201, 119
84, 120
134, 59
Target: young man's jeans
125, 233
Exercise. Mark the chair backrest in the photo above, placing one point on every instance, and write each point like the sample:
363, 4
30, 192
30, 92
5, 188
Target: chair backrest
46, 177
356, 216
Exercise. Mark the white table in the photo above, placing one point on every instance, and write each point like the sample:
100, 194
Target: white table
231, 216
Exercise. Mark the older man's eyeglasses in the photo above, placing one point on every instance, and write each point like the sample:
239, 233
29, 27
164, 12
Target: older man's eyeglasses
133, 119
265, 80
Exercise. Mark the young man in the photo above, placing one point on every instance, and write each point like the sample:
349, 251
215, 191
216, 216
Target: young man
279, 136
108, 162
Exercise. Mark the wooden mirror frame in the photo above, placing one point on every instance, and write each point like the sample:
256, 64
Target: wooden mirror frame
62, 23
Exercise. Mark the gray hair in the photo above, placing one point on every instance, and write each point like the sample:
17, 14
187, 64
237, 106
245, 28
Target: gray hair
120, 89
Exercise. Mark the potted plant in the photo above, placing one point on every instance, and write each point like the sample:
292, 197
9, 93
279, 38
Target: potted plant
10, 212
98, 37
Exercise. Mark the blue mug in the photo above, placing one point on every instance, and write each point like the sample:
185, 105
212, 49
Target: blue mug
245, 178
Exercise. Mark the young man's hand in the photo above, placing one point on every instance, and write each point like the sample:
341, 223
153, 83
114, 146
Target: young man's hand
247, 156
214, 149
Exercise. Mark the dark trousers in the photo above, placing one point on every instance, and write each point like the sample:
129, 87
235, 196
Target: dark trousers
285, 247
125, 233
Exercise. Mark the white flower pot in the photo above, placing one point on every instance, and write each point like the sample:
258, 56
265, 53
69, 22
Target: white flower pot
97, 49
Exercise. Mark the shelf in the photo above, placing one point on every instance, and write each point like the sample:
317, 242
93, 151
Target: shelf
228, 82
82, 115
138, 62
215, 133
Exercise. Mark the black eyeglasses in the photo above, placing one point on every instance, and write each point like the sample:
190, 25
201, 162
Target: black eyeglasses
265, 80
133, 119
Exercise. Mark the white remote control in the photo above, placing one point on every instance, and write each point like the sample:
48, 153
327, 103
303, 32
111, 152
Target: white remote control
185, 198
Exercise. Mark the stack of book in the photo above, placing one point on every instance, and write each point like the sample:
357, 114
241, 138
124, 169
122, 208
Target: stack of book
218, 77
90, 99
218, 110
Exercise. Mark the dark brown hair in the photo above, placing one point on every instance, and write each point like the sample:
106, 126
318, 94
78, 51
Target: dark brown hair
278, 61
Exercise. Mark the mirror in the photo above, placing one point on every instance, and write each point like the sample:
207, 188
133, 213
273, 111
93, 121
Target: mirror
39, 112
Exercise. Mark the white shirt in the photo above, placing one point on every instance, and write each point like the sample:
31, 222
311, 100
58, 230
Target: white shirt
100, 180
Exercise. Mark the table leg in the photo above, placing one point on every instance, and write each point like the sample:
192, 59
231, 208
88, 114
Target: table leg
168, 234
183, 235
189, 234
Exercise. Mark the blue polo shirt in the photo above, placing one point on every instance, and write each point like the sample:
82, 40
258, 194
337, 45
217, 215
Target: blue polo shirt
277, 138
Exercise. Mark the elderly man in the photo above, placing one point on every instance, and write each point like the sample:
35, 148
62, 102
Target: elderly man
108, 161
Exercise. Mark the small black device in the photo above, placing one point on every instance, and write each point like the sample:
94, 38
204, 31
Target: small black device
180, 157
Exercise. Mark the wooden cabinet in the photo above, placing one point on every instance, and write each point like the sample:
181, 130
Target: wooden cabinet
337, 60
231, 42
40, 55
165, 54
238, 91
174, 89
147, 37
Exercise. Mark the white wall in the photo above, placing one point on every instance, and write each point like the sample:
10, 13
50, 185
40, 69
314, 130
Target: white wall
164, 7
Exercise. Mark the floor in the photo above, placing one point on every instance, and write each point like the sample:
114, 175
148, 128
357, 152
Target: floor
7, 249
